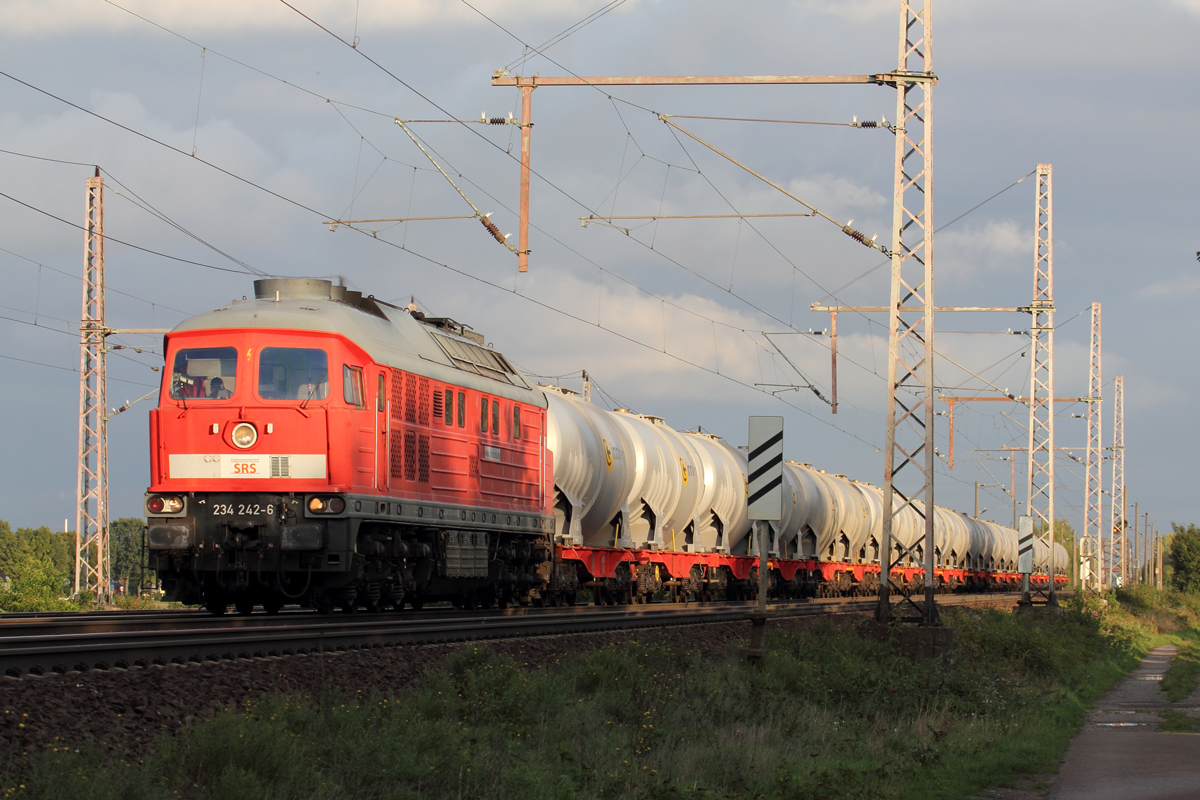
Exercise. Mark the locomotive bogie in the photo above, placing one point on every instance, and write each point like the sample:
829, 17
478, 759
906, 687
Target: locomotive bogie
277, 548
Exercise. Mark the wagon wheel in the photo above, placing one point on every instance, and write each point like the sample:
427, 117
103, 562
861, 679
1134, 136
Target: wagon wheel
272, 605
244, 606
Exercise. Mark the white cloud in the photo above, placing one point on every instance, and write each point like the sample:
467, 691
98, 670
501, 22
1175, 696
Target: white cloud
54, 17
836, 195
1190, 6
997, 245
851, 9
1184, 284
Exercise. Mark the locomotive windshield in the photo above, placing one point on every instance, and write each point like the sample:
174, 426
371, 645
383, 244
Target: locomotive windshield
204, 373
293, 373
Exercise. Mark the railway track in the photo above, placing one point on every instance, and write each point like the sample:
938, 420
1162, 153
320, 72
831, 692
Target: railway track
59, 643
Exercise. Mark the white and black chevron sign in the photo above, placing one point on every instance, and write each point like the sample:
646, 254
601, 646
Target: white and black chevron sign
764, 474
1025, 545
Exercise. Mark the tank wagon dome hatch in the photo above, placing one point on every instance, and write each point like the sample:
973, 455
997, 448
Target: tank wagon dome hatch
406, 339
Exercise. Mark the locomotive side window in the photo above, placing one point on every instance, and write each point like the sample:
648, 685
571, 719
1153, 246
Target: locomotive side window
483, 407
496, 417
462, 409
449, 406
516, 421
352, 386
204, 373
293, 373
379, 399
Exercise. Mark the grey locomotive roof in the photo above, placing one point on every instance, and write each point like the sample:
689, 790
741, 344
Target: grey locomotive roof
390, 335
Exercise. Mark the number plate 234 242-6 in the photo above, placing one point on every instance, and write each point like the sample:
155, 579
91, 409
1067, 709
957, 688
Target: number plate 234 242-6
242, 509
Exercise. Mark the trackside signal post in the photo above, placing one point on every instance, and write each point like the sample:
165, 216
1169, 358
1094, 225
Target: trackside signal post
764, 505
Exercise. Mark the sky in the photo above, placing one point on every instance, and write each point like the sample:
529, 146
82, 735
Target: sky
230, 132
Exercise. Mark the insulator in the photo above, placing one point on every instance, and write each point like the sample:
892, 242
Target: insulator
868, 124
493, 230
497, 121
855, 235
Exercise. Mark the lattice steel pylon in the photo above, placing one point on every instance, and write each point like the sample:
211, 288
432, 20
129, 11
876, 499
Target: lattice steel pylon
910, 402
1039, 486
1091, 545
91, 513
1117, 513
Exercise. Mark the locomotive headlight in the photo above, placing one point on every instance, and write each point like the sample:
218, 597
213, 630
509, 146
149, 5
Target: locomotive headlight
164, 504
326, 505
244, 435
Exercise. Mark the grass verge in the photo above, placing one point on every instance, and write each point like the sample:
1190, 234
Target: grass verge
830, 714
1177, 722
1180, 679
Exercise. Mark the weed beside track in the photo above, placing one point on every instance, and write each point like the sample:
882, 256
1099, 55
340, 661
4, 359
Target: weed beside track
829, 714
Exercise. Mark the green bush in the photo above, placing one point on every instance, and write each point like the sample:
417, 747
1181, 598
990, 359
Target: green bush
35, 584
1185, 558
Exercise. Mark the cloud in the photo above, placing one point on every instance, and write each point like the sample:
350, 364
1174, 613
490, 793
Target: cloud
55, 17
857, 10
1190, 6
996, 245
833, 194
1184, 284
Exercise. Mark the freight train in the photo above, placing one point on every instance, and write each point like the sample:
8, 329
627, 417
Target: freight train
314, 446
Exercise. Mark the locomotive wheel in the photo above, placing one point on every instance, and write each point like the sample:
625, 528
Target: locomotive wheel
244, 605
272, 605
321, 602
569, 599
416, 604
215, 607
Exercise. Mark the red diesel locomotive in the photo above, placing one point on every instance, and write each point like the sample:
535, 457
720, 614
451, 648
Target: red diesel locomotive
314, 445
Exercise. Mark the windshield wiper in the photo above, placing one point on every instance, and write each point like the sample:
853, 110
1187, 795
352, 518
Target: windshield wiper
314, 388
178, 386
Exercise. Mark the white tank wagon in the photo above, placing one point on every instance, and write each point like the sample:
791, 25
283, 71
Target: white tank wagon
629, 482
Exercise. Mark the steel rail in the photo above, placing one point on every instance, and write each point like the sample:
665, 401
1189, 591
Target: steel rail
217, 639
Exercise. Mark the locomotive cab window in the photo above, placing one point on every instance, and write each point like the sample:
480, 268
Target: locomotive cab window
352, 386
293, 373
204, 373
379, 397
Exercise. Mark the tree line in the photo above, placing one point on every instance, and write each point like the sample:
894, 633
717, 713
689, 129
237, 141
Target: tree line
37, 565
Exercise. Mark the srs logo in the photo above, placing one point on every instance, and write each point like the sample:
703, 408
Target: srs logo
245, 468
